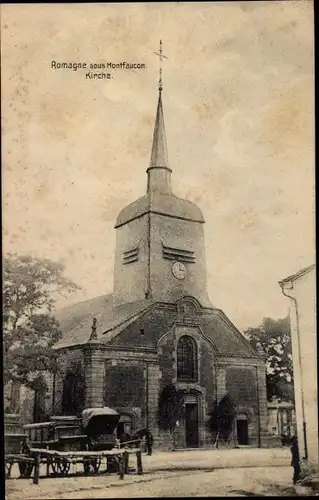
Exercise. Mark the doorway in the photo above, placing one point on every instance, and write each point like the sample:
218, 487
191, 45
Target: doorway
242, 432
191, 425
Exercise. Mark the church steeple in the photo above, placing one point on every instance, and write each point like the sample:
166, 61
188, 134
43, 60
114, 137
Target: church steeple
159, 173
159, 156
160, 250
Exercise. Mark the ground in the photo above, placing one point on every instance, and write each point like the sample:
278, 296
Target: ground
238, 472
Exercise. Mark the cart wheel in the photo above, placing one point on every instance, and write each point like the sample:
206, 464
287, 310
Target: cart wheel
91, 465
25, 469
60, 466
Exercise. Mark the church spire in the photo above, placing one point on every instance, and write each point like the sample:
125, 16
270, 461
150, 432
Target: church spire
159, 172
159, 156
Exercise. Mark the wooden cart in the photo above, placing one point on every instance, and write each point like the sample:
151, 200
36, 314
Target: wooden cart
65, 440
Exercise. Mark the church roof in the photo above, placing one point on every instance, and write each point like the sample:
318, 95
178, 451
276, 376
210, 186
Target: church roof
159, 156
164, 204
76, 320
298, 274
141, 324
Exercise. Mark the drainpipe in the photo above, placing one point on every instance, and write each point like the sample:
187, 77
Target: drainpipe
146, 389
300, 367
258, 410
54, 385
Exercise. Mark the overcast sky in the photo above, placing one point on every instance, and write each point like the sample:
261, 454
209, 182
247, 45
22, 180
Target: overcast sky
239, 113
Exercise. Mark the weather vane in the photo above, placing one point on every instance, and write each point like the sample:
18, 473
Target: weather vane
161, 57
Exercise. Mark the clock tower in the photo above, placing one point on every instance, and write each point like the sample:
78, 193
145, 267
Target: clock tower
160, 248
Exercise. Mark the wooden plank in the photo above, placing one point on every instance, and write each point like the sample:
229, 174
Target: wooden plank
18, 458
92, 454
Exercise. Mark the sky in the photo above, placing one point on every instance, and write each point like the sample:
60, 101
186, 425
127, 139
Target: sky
238, 103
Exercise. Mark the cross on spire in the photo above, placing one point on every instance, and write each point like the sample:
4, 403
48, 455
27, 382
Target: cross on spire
161, 57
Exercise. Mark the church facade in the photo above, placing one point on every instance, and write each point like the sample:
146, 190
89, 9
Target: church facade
159, 328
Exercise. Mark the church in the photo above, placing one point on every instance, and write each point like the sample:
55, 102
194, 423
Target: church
158, 328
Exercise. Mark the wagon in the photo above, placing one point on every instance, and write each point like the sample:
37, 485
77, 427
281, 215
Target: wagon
16, 452
94, 432
99, 426
61, 434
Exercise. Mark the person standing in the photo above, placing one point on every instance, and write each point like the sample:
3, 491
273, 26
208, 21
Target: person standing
149, 443
295, 462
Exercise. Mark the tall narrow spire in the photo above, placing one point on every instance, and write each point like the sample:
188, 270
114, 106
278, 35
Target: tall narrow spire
159, 156
159, 171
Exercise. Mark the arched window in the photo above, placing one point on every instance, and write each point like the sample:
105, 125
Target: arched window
187, 359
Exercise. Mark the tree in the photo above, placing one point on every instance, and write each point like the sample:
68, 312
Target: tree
273, 336
171, 407
221, 419
31, 286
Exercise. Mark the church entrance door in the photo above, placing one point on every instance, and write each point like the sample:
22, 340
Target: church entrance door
191, 425
242, 432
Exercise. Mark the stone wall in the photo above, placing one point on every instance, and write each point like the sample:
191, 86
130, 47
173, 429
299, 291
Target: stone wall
130, 379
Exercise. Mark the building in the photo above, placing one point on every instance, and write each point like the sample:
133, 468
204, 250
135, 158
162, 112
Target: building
300, 288
159, 326
281, 420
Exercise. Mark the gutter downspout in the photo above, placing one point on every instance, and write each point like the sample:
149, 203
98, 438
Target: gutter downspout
258, 409
147, 398
300, 367
54, 385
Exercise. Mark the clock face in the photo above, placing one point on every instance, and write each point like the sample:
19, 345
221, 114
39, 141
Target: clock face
179, 270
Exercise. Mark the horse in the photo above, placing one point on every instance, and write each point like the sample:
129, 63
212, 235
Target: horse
134, 440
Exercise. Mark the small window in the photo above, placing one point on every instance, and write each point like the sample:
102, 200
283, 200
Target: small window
187, 359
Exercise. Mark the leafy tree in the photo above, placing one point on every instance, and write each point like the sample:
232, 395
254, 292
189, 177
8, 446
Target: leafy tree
171, 407
31, 286
221, 419
273, 336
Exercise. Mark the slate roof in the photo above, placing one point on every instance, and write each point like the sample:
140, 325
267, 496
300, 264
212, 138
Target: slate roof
76, 320
298, 274
122, 326
225, 336
166, 204
159, 156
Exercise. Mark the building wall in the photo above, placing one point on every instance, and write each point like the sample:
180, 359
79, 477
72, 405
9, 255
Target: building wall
216, 376
129, 375
130, 280
204, 388
147, 234
304, 350
183, 235
281, 419
126, 380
